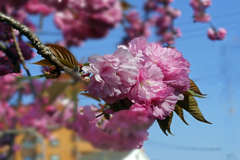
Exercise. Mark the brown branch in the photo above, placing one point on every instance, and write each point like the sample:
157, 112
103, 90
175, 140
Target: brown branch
41, 48
19, 52
24, 66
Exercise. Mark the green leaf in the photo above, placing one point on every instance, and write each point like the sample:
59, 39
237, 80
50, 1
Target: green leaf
195, 94
64, 54
86, 64
195, 88
165, 124
91, 96
74, 89
56, 89
125, 5
179, 112
44, 62
190, 105
23, 78
66, 63
30, 45
40, 76
169, 123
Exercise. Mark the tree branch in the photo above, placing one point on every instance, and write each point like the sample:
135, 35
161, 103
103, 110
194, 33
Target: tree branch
41, 48
19, 52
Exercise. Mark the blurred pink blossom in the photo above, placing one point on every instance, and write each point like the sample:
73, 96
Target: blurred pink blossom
217, 35
36, 7
199, 7
126, 130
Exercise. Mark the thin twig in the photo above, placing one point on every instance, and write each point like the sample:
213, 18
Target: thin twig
19, 52
22, 60
99, 115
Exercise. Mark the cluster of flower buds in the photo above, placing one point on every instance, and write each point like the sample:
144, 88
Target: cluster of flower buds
216, 35
200, 15
199, 7
164, 20
136, 27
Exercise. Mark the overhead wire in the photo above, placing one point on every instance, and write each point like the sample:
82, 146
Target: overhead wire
183, 147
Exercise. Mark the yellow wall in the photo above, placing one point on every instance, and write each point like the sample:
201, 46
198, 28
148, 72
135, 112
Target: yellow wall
67, 149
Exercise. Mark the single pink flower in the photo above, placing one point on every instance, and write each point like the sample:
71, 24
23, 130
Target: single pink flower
113, 75
201, 17
221, 33
174, 67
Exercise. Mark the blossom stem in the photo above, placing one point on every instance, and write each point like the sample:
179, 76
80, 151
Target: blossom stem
100, 115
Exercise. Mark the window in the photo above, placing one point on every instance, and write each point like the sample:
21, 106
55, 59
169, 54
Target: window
40, 156
79, 155
54, 142
28, 144
28, 158
55, 157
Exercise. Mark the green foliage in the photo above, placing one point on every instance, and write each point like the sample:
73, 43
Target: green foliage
189, 104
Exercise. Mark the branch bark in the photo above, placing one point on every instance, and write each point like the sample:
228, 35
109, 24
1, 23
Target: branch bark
41, 48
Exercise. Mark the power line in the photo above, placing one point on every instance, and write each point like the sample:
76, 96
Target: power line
199, 28
181, 147
213, 17
198, 34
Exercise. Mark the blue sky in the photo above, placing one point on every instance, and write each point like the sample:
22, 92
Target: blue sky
215, 69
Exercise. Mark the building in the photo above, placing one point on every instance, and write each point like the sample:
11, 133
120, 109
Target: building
66, 146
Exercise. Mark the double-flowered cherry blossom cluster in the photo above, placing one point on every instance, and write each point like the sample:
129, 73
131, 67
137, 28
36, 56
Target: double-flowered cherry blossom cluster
136, 26
158, 13
199, 7
140, 83
79, 19
148, 75
165, 22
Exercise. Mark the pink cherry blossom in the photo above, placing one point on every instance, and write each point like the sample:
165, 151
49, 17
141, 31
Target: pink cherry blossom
174, 67
36, 7
126, 130
216, 35
199, 7
160, 106
201, 17
148, 85
8, 86
221, 33
137, 27
113, 75
14, 3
